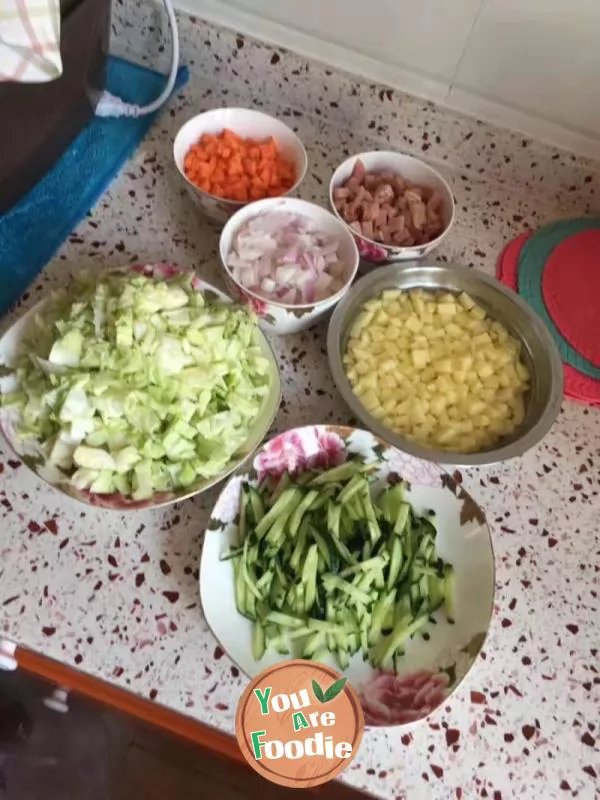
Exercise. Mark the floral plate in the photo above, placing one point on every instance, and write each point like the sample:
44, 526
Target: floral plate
430, 670
9, 345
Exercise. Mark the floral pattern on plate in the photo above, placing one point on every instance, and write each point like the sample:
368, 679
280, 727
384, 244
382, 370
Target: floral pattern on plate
296, 451
391, 699
434, 664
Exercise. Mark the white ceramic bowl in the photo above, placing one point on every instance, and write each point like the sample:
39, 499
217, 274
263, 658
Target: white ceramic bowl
283, 318
432, 667
249, 124
413, 170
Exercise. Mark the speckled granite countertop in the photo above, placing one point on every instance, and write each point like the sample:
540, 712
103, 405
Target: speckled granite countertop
117, 595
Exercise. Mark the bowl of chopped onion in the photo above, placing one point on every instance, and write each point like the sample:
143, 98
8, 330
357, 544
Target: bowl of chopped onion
445, 363
398, 207
289, 260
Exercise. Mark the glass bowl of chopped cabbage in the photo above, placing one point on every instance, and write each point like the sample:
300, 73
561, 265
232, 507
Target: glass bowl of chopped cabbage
136, 389
445, 363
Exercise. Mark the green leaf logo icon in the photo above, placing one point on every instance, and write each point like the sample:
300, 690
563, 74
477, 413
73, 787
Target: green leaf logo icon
318, 692
331, 693
335, 689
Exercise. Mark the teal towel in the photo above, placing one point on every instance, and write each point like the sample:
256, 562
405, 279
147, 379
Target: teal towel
32, 231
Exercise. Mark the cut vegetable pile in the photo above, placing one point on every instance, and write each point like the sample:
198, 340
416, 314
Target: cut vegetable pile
324, 567
134, 386
230, 166
385, 207
435, 368
284, 257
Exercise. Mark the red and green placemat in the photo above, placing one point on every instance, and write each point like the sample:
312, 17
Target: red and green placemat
557, 270
572, 296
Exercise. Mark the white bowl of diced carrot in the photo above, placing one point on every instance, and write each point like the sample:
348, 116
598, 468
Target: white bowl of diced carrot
229, 157
398, 207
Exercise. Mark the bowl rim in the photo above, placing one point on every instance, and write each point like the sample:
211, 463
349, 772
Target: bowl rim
484, 458
262, 204
255, 112
402, 248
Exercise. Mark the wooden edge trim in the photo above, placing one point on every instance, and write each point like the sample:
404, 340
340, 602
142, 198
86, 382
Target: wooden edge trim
154, 714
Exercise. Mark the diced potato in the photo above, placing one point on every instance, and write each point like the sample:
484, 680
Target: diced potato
518, 410
414, 324
454, 330
418, 304
386, 381
370, 400
447, 310
435, 368
462, 391
437, 405
522, 371
444, 365
378, 412
482, 340
463, 363
369, 381
377, 333
466, 301
420, 357
478, 313
485, 370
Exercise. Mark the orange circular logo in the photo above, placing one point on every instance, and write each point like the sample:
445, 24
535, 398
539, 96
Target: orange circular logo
299, 723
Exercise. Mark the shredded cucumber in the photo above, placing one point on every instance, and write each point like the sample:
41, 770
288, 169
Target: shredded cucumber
138, 385
324, 566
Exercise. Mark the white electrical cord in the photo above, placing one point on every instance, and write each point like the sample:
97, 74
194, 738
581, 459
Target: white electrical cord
111, 106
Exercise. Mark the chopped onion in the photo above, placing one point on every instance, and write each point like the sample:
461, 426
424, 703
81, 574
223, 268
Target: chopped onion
282, 256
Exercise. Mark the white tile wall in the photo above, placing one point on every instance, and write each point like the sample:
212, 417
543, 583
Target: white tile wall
538, 56
426, 36
530, 65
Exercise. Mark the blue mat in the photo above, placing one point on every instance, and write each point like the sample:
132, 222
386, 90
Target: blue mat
32, 231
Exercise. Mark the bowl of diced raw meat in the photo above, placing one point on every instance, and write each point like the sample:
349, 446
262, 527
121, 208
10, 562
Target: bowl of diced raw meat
397, 207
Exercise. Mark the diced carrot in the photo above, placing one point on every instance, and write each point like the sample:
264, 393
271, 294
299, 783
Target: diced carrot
226, 165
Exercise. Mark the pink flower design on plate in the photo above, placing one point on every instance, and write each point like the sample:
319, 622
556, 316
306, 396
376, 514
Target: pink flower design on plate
370, 251
390, 699
259, 307
167, 271
331, 451
284, 453
120, 502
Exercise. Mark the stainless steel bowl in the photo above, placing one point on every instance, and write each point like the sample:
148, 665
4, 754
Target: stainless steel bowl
543, 400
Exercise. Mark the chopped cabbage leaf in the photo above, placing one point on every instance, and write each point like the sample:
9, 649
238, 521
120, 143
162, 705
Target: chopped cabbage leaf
136, 385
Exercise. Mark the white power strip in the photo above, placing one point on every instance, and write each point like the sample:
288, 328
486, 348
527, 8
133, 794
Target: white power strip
111, 106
